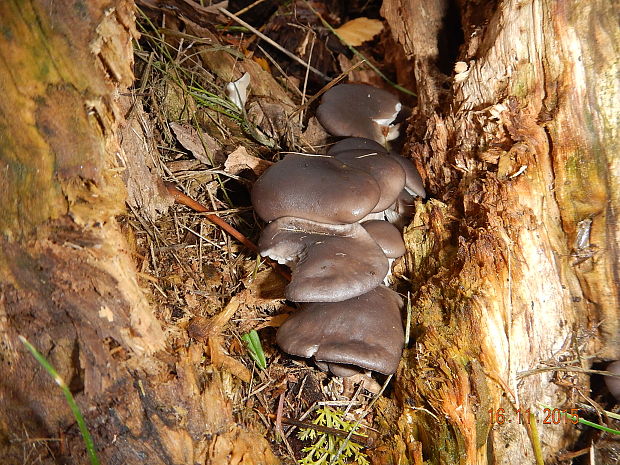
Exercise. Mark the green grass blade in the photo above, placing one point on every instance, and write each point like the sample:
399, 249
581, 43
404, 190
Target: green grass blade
255, 348
88, 440
575, 418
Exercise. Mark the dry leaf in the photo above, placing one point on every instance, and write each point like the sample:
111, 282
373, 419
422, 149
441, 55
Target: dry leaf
189, 138
221, 360
275, 321
359, 30
240, 160
315, 135
145, 188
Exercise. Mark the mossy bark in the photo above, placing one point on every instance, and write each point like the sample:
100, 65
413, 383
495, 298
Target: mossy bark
514, 261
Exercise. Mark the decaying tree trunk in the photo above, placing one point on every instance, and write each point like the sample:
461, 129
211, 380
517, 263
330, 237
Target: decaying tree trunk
513, 263
515, 260
68, 283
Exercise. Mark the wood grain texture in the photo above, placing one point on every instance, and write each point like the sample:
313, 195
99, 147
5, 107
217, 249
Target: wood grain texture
517, 155
67, 278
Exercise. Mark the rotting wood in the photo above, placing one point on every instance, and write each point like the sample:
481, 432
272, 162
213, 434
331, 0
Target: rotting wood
518, 154
502, 156
68, 283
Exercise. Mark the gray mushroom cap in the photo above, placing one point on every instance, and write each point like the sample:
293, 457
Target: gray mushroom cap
613, 383
359, 110
413, 180
387, 236
316, 187
388, 173
329, 263
413, 183
365, 332
356, 143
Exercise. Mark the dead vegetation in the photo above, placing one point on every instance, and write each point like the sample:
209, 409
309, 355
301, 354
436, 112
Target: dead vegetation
497, 152
208, 288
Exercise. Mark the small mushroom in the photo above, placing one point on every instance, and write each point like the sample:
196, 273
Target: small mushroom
388, 173
613, 383
364, 332
315, 187
413, 184
329, 263
387, 236
359, 110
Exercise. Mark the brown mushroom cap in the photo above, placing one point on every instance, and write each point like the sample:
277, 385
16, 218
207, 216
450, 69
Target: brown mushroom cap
388, 173
329, 263
387, 236
319, 188
356, 143
359, 110
365, 332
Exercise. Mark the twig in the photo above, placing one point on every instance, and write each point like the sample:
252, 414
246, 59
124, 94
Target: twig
303, 94
191, 203
360, 55
523, 374
362, 440
273, 43
279, 424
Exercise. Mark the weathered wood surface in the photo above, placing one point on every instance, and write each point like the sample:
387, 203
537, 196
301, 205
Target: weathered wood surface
517, 154
520, 154
68, 282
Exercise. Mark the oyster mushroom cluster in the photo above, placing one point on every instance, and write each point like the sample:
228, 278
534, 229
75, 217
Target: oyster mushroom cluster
330, 220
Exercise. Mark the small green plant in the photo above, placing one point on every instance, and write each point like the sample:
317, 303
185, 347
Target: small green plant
326, 445
255, 348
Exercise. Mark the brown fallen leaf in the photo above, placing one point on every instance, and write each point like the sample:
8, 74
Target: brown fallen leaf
274, 321
240, 160
209, 330
202, 146
359, 30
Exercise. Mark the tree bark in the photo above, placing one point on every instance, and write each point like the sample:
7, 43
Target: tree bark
514, 260
68, 282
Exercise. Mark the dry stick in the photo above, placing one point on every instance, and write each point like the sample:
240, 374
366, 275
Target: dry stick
191, 203
328, 86
358, 54
273, 43
279, 424
357, 423
523, 374
280, 70
303, 94
249, 7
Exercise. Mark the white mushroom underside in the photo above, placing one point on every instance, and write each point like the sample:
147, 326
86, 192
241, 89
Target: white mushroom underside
393, 131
